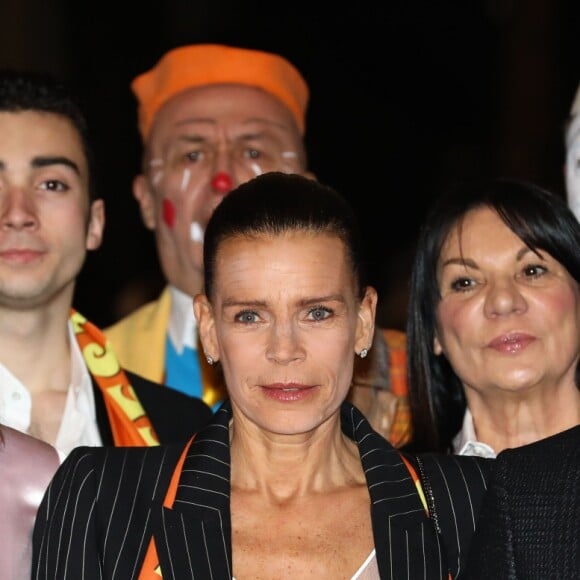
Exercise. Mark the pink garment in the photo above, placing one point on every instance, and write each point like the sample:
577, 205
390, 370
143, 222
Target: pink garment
26, 467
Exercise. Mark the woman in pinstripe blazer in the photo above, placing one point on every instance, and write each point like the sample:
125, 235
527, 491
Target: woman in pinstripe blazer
290, 480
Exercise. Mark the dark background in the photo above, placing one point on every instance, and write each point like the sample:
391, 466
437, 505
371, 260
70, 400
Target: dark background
406, 96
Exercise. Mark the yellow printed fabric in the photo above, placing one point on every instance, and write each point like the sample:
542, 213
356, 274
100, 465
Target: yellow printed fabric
130, 425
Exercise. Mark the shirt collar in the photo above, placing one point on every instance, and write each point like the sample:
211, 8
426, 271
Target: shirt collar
182, 329
466, 443
78, 426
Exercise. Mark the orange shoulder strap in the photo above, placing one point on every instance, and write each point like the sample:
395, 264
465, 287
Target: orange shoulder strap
151, 569
417, 482
419, 486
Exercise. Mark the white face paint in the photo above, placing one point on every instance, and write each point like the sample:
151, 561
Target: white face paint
156, 165
157, 177
196, 232
256, 169
185, 179
573, 166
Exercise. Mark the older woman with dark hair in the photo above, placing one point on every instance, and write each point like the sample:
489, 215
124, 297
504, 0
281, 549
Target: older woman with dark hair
493, 331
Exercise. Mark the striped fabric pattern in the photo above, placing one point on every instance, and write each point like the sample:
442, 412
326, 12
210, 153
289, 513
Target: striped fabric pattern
105, 504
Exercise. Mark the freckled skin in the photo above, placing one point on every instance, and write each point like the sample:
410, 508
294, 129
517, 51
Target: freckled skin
286, 315
280, 279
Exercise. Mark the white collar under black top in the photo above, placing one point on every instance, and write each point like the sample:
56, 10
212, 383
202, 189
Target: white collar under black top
182, 329
466, 443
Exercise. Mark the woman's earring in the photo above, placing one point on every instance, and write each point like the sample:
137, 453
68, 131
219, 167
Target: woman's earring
363, 353
209, 360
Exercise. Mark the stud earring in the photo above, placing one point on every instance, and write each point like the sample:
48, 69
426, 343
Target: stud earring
209, 360
363, 353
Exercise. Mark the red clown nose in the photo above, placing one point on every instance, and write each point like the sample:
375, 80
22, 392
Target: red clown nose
222, 182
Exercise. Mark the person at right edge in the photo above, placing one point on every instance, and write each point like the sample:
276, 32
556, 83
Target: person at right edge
572, 162
530, 521
494, 319
212, 116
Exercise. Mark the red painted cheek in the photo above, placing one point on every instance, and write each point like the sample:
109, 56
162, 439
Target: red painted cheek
222, 182
168, 213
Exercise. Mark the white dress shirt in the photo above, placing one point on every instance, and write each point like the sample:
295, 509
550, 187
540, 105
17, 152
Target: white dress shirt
466, 443
79, 423
182, 324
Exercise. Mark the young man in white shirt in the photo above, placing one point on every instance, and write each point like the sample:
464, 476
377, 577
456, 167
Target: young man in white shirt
60, 380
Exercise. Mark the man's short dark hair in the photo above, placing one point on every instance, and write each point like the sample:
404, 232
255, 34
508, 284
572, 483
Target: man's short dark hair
43, 92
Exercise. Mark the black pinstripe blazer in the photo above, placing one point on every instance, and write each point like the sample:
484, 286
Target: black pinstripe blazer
105, 504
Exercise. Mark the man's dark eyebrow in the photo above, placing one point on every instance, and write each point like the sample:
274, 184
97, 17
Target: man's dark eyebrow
38, 162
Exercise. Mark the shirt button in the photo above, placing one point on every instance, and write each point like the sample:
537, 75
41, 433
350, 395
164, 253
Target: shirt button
16, 396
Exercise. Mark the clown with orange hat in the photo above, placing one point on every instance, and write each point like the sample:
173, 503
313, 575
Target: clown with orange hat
211, 117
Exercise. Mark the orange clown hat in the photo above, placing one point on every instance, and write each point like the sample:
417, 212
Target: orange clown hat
198, 65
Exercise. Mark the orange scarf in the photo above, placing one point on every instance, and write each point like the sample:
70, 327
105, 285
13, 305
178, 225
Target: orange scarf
129, 422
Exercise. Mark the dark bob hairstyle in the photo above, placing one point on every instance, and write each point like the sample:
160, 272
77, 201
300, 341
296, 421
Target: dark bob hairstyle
541, 220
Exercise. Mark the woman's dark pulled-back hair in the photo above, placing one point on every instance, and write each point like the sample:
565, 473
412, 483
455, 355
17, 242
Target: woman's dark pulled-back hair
275, 203
541, 220
41, 92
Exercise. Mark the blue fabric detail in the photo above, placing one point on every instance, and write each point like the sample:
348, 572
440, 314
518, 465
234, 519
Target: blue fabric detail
182, 371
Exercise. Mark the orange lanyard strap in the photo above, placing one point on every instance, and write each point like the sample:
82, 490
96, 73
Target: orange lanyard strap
151, 570
129, 422
417, 482
419, 486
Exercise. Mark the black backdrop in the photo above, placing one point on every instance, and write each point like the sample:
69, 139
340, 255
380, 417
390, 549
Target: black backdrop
405, 97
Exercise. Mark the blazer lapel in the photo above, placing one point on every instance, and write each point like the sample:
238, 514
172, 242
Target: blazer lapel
195, 534
401, 527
